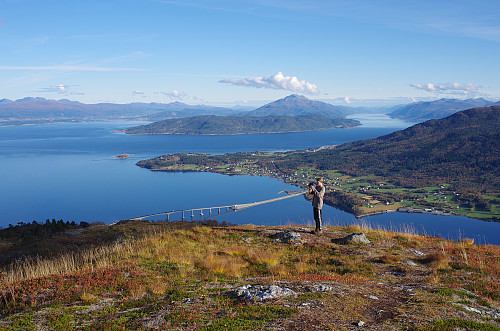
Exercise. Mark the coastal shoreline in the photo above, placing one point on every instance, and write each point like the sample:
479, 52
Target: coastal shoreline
430, 211
229, 134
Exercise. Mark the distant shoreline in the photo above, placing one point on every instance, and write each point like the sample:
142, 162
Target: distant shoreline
47, 122
228, 134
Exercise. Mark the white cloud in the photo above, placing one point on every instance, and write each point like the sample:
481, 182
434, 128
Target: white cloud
60, 89
278, 82
198, 100
341, 100
175, 95
468, 90
137, 92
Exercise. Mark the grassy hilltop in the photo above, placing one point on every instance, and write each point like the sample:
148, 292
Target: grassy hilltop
184, 276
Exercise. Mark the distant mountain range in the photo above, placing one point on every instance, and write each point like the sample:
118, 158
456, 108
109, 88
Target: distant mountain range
296, 105
40, 110
422, 111
43, 110
224, 125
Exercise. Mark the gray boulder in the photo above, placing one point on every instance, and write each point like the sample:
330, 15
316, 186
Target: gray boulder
289, 237
410, 263
322, 288
260, 292
358, 238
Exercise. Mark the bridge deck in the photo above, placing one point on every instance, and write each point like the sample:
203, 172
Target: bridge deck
232, 208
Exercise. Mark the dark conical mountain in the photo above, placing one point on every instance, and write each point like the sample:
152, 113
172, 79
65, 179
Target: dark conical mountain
422, 111
296, 105
463, 148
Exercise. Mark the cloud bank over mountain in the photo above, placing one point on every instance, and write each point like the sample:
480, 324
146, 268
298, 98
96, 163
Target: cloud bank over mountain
468, 89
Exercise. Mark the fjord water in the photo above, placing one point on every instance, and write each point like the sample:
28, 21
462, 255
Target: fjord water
67, 171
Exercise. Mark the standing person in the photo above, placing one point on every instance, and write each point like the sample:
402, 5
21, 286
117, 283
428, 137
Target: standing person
318, 193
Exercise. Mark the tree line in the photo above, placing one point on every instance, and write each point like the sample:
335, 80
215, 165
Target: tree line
27, 231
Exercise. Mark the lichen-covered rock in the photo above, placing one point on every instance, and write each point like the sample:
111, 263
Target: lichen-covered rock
261, 292
322, 288
419, 253
289, 237
410, 263
358, 238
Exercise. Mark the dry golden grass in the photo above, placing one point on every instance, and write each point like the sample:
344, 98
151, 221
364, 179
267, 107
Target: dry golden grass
260, 256
237, 250
223, 264
89, 259
387, 233
433, 279
279, 269
437, 260
157, 287
301, 267
389, 258
467, 241
463, 252
137, 292
87, 297
202, 230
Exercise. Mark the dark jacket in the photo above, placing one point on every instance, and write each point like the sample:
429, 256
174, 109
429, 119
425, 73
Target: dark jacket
318, 193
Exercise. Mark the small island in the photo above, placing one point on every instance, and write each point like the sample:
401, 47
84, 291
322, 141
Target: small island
122, 156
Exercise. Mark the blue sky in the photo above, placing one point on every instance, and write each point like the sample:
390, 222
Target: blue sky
249, 51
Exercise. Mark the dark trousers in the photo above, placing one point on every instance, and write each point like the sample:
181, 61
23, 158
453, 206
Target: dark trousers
317, 218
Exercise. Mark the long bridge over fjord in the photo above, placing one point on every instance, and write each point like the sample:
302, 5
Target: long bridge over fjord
215, 211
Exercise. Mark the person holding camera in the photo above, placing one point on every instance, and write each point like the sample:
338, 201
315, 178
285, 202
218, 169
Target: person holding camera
318, 192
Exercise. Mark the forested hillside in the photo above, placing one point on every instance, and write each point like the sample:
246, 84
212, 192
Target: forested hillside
464, 147
214, 125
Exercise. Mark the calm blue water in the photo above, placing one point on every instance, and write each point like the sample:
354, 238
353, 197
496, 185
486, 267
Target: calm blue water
67, 171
